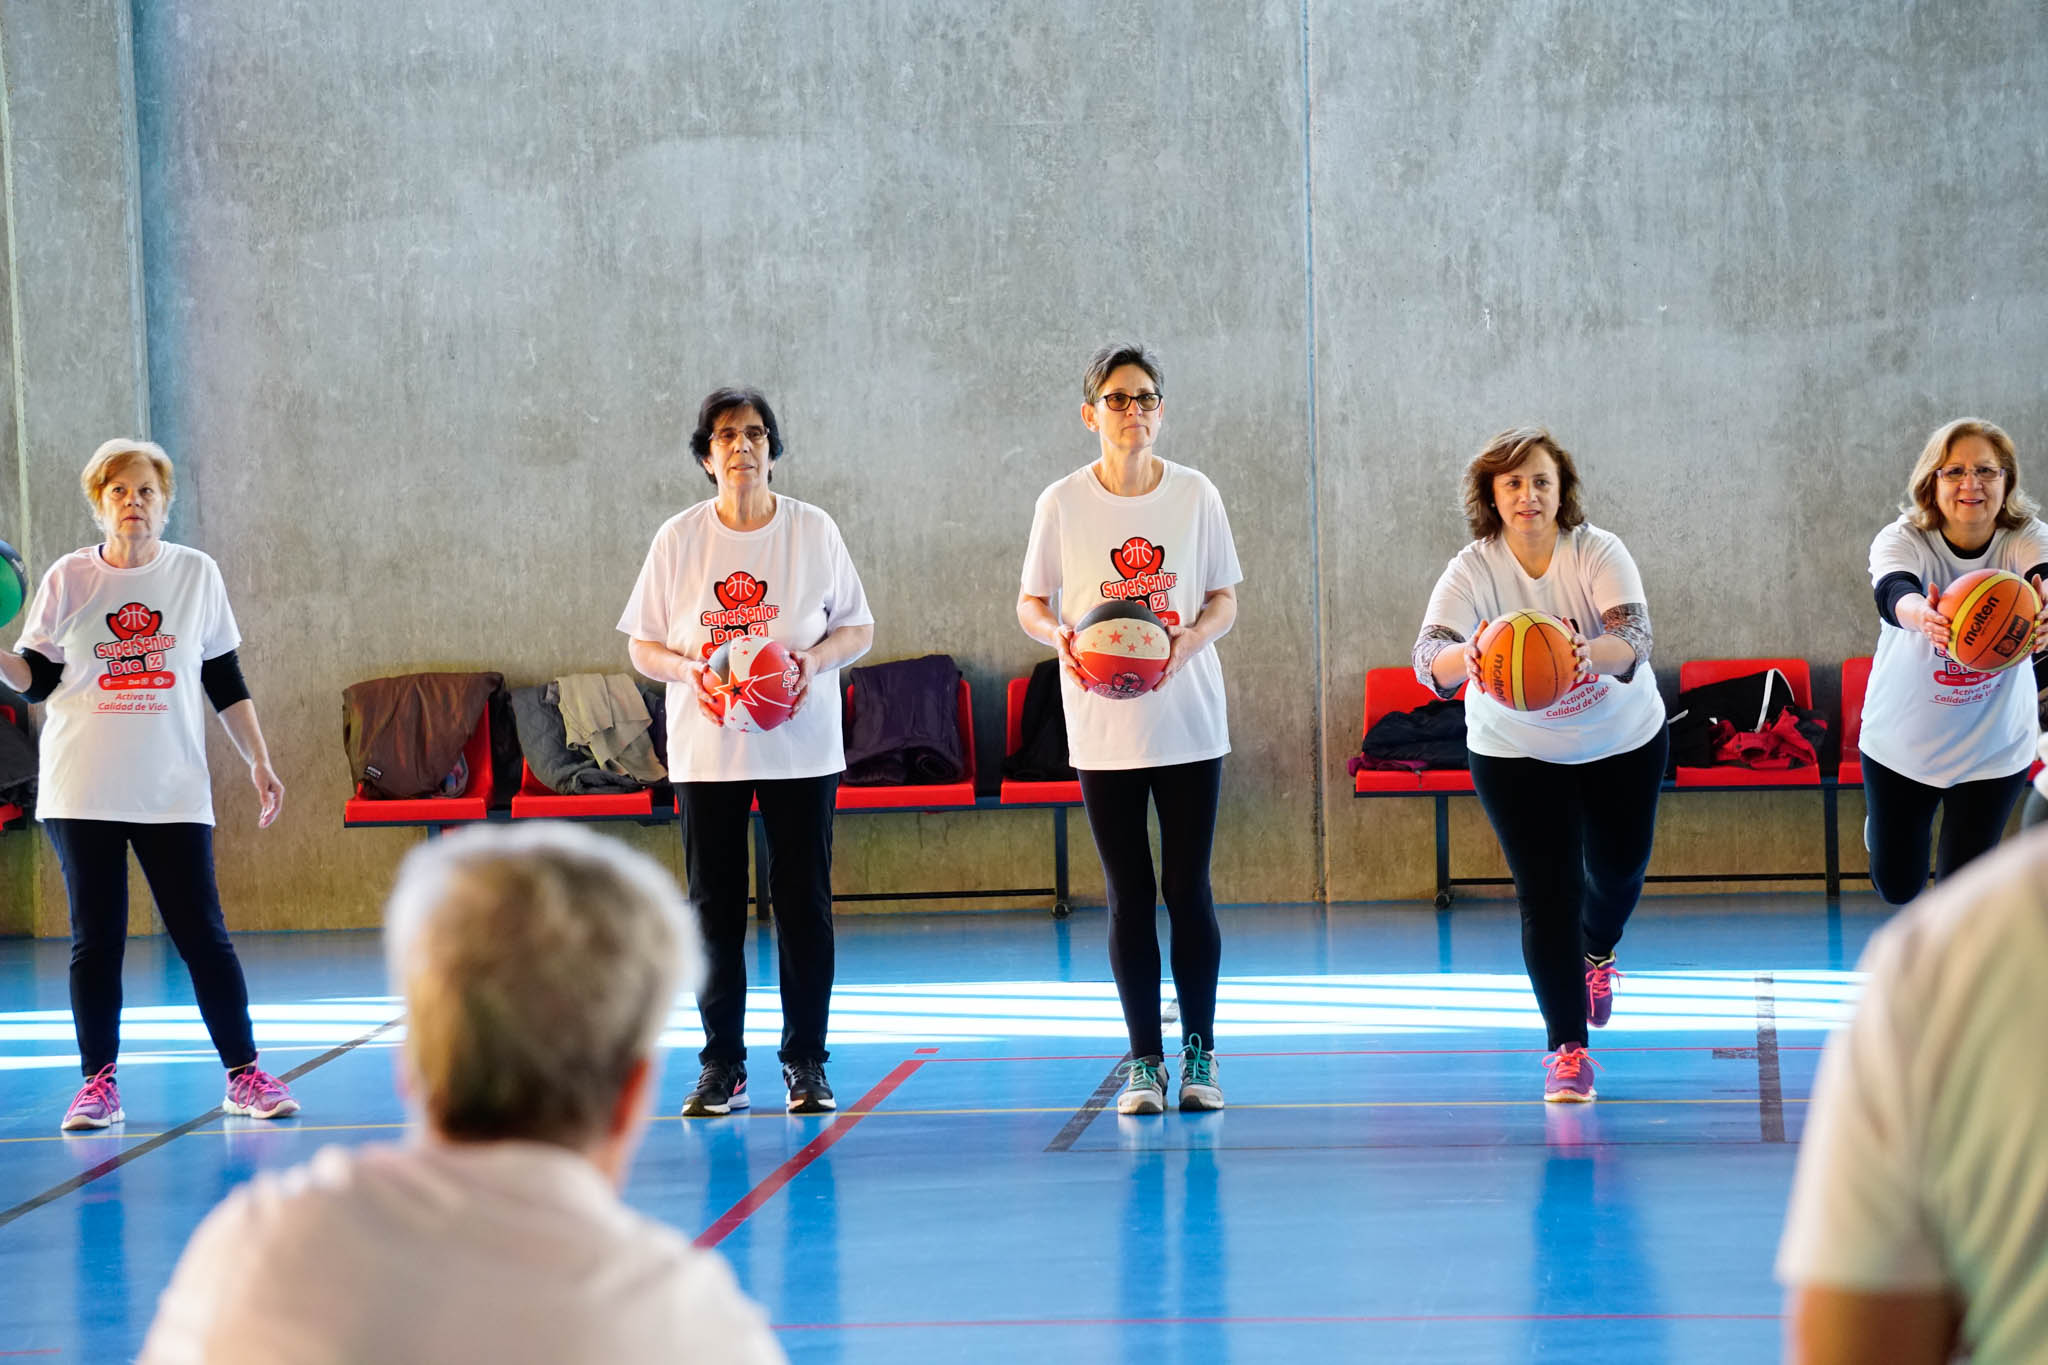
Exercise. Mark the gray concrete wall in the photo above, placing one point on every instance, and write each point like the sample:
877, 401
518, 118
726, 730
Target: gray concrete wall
432, 289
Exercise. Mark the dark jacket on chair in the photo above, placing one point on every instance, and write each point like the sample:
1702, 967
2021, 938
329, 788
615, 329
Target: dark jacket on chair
904, 729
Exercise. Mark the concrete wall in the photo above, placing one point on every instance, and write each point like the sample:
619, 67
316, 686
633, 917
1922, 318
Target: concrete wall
432, 290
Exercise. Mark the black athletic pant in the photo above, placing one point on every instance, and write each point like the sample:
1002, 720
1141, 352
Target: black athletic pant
796, 814
1973, 816
177, 860
1185, 795
1577, 838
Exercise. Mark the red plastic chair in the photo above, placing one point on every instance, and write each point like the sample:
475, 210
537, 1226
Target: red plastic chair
1396, 689
1699, 673
1855, 682
435, 811
922, 796
1015, 793
534, 801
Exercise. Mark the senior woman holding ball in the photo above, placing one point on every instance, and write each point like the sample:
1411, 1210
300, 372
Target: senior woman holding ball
1130, 576
127, 642
754, 574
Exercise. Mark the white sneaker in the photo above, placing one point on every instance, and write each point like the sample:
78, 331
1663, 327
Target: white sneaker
1144, 1089
1198, 1087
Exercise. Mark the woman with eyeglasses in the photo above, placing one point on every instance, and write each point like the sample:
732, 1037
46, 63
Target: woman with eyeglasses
1131, 526
748, 561
1938, 736
1571, 790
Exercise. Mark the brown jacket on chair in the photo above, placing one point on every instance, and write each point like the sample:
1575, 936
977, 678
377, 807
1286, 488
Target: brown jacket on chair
403, 735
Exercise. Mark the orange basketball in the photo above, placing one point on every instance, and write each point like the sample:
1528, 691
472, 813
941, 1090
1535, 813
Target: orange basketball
1991, 619
1526, 661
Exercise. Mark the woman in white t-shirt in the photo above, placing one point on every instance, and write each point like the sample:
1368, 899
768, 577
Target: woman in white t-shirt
1133, 525
127, 642
1571, 790
751, 562
1935, 734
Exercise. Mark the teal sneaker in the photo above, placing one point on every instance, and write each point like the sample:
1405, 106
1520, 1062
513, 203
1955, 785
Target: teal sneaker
1198, 1087
1144, 1089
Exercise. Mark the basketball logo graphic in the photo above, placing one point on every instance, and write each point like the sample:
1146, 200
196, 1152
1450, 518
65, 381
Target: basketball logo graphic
132, 620
739, 589
1136, 557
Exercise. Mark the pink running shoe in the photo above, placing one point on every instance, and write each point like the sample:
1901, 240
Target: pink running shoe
1569, 1075
97, 1103
1600, 991
259, 1095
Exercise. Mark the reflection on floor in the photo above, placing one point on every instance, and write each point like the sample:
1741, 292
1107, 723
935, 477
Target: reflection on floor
1385, 1185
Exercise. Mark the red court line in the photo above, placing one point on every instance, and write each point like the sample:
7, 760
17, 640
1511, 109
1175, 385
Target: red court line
1302, 1320
812, 1150
1377, 1052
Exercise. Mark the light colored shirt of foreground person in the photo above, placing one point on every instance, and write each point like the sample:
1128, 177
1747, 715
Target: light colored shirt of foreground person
1918, 1227
442, 1251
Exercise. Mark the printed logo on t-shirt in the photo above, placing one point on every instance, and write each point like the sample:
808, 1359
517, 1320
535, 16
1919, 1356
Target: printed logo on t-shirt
742, 609
1959, 686
1138, 562
1586, 691
137, 658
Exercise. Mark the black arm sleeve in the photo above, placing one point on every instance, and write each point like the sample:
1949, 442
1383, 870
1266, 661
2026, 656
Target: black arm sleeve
1890, 589
221, 676
44, 673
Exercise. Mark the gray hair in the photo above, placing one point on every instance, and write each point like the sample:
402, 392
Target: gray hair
538, 964
1114, 357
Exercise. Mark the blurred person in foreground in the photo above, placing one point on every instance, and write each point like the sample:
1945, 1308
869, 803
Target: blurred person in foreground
538, 965
1918, 1228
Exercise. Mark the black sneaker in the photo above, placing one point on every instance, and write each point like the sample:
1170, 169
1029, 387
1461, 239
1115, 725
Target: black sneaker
721, 1088
809, 1092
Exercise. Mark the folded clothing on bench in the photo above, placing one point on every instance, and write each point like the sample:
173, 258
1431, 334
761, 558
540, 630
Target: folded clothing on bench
567, 769
905, 728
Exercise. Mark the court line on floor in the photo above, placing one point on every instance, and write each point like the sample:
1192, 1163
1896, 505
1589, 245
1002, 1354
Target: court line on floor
1301, 1320
1094, 1105
78, 1138
731, 1219
1384, 1052
165, 1138
1770, 1099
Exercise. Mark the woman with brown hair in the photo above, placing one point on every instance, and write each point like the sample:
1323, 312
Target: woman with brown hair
1571, 789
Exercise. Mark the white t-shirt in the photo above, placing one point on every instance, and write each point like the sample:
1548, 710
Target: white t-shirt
1925, 716
124, 734
703, 584
1169, 549
1590, 574
436, 1252
1923, 1166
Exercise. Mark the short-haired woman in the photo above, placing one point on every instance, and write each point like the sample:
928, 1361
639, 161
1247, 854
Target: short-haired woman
128, 641
1571, 790
748, 561
1938, 736
1133, 525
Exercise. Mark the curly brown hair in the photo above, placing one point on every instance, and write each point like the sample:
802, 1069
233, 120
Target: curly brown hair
1510, 451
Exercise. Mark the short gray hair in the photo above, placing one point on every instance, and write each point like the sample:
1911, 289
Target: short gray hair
538, 964
1114, 357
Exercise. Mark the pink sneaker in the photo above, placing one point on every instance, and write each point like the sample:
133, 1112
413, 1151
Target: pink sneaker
97, 1103
1600, 991
259, 1095
1569, 1075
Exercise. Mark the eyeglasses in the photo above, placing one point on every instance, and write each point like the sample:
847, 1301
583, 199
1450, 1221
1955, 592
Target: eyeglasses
1121, 402
1983, 473
725, 438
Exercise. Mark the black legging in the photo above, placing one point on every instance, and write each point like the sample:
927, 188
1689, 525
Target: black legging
1973, 816
1185, 795
1577, 838
177, 860
796, 815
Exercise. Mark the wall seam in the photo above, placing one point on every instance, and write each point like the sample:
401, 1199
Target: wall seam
131, 155
1319, 722
18, 376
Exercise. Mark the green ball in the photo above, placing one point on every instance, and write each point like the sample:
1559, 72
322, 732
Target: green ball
13, 583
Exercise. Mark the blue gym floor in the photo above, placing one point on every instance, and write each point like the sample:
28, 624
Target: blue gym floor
1386, 1185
